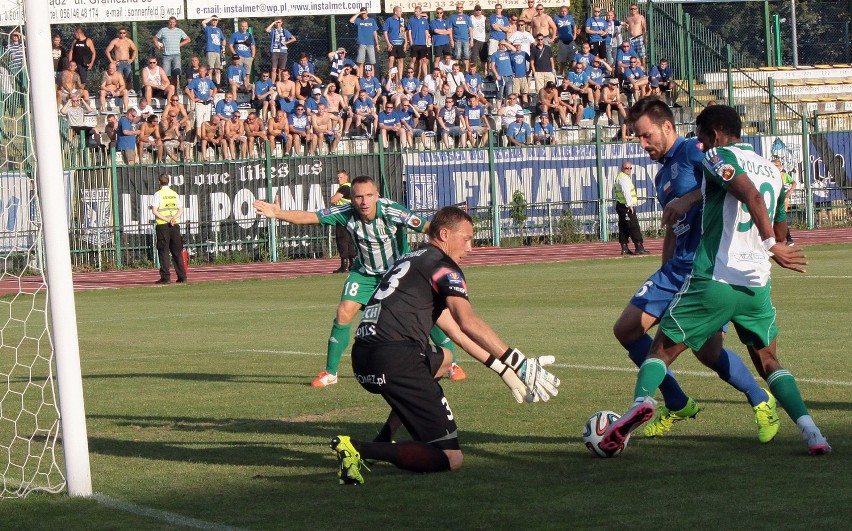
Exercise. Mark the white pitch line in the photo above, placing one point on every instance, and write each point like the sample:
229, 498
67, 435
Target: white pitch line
156, 514
604, 368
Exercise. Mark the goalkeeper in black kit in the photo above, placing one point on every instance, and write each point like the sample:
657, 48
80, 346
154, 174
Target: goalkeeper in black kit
392, 356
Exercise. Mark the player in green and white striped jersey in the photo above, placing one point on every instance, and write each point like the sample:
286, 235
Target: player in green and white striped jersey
730, 280
378, 229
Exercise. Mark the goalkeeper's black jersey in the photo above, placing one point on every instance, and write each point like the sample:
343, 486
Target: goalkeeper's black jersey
410, 297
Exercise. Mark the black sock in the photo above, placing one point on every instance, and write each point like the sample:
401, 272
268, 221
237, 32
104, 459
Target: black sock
410, 455
385, 434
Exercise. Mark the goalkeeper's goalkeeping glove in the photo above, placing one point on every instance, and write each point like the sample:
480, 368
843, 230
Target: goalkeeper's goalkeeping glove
527, 378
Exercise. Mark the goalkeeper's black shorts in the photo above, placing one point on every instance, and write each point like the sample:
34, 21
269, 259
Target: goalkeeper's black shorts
405, 377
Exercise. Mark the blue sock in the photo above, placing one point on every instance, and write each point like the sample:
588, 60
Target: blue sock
732, 369
673, 396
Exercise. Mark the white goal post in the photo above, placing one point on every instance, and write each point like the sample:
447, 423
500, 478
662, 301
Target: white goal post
40, 329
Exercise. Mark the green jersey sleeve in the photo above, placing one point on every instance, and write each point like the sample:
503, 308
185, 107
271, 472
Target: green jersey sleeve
402, 216
720, 166
336, 215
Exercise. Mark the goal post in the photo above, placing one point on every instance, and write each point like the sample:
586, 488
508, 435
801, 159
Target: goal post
39, 351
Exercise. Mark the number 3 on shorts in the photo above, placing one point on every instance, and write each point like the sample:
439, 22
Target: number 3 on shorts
447, 405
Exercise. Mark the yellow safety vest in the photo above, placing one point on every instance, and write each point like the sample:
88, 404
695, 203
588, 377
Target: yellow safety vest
168, 204
617, 193
343, 200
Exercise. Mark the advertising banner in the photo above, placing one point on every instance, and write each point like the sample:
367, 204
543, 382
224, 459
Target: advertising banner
449, 6
201, 9
17, 229
77, 11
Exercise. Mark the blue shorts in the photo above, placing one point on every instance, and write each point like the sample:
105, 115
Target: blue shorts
659, 290
286, 105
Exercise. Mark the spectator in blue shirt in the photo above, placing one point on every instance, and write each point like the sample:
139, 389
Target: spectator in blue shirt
596, 31
201, 91
584, 57
566, 33
410, 121
461, 37
367, 40
499, 26
622, 58
390, 127
518, 133
441, 34
365, 113
396, 38
237, 77
520, 70
279, 39
226, 107
214, 46
409, 83
425, 103
635, 80
543, 133
126, 137
418, 38
370, 84
303, 65
312, 104
262, 95
661, 78
242, 43
501, 67
476, 121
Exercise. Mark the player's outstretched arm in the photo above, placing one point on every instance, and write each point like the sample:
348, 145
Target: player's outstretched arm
296, 217
540, 383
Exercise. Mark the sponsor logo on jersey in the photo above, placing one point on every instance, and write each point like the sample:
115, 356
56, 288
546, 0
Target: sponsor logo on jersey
415, 221
324, 212
371, 313
667, 187
714, 159
727, 172
455, 278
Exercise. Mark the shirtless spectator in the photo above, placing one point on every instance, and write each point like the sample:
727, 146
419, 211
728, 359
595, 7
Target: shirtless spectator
286, 92
543, 23
338, 106
112, 86
528, 12
298, 130
611, 101
150, 138
235, 134
122, 51
276, 130
212, 135
255, 133
550, 104
176, 107
173, 133
155, 81
70, 84
348, 82
326, 128
636, 30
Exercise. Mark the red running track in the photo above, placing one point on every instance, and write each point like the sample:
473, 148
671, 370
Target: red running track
304, 268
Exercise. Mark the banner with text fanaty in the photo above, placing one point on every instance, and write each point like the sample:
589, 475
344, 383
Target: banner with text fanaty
218, 196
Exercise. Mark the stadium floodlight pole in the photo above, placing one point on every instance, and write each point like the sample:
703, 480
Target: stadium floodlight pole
795, 36
63, 315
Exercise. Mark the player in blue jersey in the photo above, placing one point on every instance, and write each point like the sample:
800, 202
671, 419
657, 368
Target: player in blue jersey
678, 185
730, 279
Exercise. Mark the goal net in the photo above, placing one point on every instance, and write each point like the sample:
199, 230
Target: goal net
29, 414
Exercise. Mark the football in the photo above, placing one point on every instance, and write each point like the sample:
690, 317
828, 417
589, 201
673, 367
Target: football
594, 429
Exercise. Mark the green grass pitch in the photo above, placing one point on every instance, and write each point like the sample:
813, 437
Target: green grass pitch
199, 405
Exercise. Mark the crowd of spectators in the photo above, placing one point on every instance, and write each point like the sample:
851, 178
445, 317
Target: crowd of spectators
514, 77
